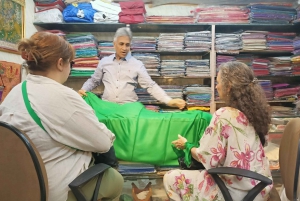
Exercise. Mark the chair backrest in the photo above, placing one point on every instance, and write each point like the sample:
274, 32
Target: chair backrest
289, 158
22, 172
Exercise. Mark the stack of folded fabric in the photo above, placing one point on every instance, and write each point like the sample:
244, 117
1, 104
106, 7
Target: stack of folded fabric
170, 19
296, 44
260, 66
172, 68
229, 42
49, 11
271, 14
199, 41
284, 91
79, 12
267, 87
296, 64
228, 14
105, 48
173, 91
106, 12
144, 96
143, 43
170, 42
281, 41
197, 68
297, 18
223, 59
280, 65
245, 58
151, 62
86, 53
197, 95
254, 40
154, 108
132, 12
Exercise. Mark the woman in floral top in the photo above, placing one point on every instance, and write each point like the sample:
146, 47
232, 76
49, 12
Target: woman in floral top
234, 138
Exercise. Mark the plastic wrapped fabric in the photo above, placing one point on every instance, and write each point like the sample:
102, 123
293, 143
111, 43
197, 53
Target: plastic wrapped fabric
51, 15
145, 136
82, 12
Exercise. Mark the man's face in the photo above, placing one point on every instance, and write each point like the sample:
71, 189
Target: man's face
122, 46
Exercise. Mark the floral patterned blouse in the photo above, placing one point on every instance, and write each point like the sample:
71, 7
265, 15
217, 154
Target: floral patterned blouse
229, 141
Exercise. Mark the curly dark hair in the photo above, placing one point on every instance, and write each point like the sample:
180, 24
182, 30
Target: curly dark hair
243, 92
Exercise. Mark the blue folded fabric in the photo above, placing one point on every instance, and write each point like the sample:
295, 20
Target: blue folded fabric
83, 12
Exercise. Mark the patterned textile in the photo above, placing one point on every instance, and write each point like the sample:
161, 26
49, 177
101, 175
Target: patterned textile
228, 141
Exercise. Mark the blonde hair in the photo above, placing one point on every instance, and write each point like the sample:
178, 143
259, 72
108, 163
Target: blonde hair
43, 49
242, 91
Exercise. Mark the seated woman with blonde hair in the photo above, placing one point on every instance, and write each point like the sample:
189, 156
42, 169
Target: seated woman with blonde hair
69, 131
234, 138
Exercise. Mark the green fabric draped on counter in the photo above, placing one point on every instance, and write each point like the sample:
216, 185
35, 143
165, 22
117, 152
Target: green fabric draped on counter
145, 136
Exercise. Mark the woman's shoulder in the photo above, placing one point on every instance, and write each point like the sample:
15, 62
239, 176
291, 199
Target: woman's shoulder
232, 114
227, 110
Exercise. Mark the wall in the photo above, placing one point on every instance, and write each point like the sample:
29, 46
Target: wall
29, 30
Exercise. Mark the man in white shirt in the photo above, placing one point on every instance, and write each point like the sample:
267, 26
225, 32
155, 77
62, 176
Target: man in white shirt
121, 73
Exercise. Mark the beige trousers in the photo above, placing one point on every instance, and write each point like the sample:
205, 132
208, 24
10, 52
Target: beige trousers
110, 188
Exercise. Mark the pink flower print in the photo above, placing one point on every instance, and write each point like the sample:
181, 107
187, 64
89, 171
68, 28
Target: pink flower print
243, 159
180, 182
208, 131
201, 158
253, 182
260, 154
225, 131
208, 182
242, 119
218, 153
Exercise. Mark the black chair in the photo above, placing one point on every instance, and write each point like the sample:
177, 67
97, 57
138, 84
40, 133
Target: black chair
264, 181
289, 162
22, 171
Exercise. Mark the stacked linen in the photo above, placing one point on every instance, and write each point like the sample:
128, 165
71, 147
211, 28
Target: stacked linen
260, 66
280, 41
170, 19
143, 43
197, 95
144, 96
170, 42
254, 40
173, 91
49, 11
223, 59
151, 62
105, 48
85, 46
199, 41
197, 68
219, 14
106, 12
296, 64
297, 18
132, 12
271, 14
172, 68
280, 65
266, 85
296, 44
228, 43
284, 91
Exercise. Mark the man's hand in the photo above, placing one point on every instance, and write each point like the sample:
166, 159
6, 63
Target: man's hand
177, 103
82, 92
180, 143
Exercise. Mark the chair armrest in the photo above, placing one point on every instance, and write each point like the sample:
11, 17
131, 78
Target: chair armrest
264, 181
89, 174
240, 172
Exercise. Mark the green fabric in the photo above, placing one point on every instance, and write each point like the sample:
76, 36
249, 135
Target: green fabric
32, 113
145, 136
